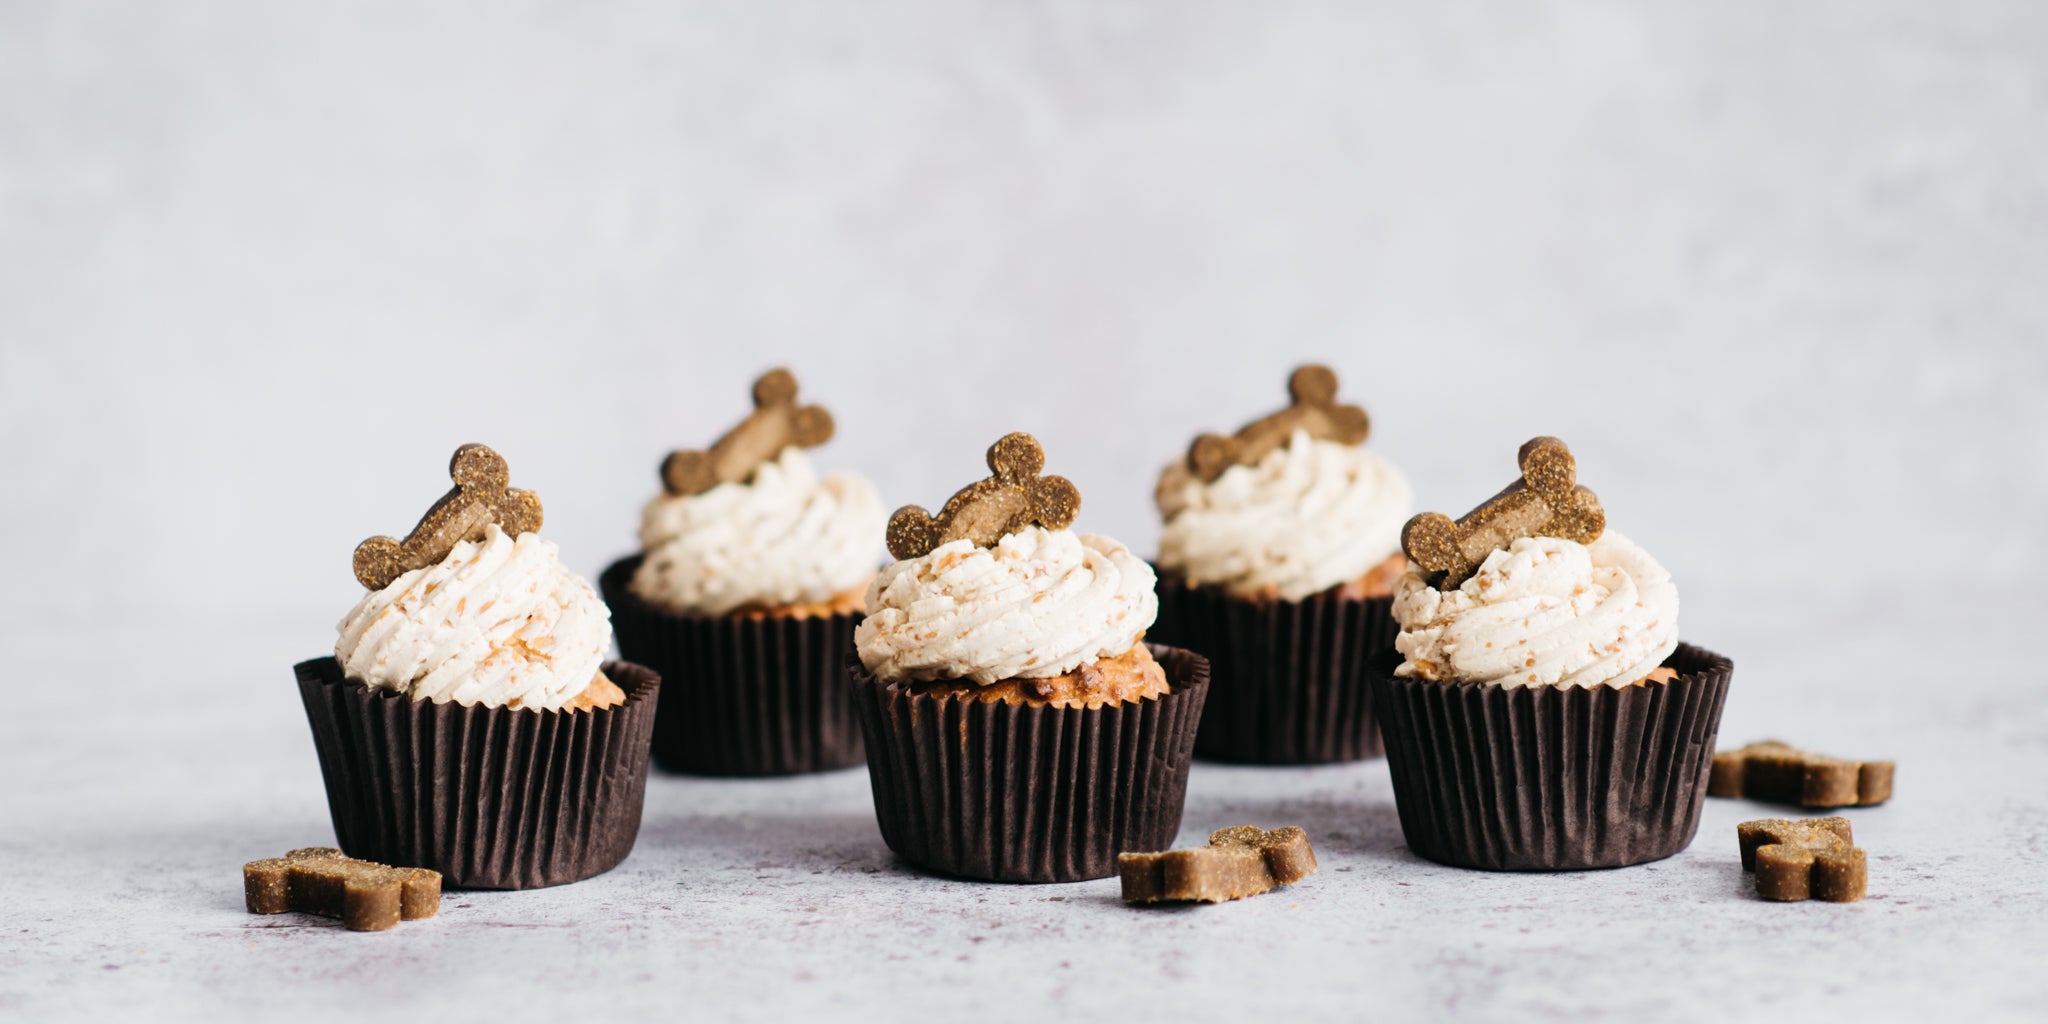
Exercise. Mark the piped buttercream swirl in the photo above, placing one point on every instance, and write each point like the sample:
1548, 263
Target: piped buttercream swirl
783, 537
1305, 518
1037, 604
1542, 612
499, 622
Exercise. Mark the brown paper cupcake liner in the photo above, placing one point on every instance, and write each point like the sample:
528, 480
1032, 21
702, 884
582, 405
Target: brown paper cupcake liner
1543, 778
1291, 680
492, 798
1017, 793
744, 696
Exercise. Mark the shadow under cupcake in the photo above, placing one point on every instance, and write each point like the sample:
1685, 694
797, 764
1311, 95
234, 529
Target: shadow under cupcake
1017, 727
468, 721
1540, 713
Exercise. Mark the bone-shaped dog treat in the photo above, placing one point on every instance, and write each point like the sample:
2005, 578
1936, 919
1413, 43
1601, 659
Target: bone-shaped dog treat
985, 511
1812, 858
1239, 861
777, 422
1315, 409
482, 496
1781, 773
366, 897
1546, 502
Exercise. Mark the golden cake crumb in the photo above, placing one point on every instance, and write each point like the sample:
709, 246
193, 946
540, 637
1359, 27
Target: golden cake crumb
1131, 676
851, 601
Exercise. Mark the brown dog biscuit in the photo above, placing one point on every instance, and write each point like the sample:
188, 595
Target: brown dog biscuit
1812, 858
1239, 861
1315, 410
1546, 502
266, 884
363, 895
482, 496
777, 422
985, 511
1781, 773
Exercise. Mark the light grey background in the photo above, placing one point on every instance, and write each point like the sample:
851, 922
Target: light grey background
1776, 272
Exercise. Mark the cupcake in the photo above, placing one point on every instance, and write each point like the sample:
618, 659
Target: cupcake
468, 721
1018, 728
1540, 712
745, 595
1277, 561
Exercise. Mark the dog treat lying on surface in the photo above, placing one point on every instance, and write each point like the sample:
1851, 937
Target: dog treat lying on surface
777, 422
1781, 773
1546, 502
1238, 862
1812, 858
1315, 410
365, 896
1012, 498
482, 496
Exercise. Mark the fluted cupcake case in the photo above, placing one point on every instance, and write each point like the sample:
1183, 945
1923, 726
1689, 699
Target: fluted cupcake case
745, 696
1021, 793
1547, 778
492, 798
1290, 680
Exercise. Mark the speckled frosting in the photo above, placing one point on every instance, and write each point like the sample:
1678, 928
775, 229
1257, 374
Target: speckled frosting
498, 622
783, 537
1307, 517
1542, 612
1037, 604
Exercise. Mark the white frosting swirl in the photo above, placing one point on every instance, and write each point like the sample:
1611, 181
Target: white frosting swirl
783, 538
1543, 612
1040, 603
499, 622
1309, 516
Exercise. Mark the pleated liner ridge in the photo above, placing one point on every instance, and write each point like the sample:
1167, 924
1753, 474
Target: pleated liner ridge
492, 798
1291, 678
1015, 793
1545, 778
745, 696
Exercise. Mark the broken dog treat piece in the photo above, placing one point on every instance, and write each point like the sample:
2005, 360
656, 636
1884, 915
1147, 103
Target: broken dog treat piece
1546, 502
1239, 861
985, 511
1781, 773
482, 496
1315, 410
777, 422
365, 896
1812, 858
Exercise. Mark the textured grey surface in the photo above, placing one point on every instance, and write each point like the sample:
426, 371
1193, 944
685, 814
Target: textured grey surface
769, 899
1775, 271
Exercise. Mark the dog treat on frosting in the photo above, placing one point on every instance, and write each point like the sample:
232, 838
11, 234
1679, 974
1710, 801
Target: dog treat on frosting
1546, 502
482, 496
1780, 773
1014, 497
1315, 410
1812, 858
1239, 861
777, 422
364, 896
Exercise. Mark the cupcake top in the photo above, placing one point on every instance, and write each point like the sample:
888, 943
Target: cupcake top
997, 587
475, 607
749, 525
1291, 506
1531, 589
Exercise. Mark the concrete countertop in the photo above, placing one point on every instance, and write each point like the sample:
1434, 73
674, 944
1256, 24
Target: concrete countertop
773, 899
